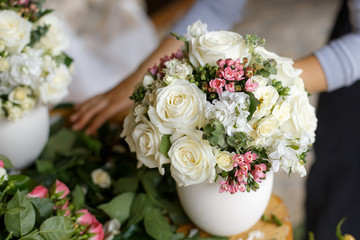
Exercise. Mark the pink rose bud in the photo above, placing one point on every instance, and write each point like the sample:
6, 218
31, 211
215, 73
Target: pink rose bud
221, 63
97, 229
250, 86
1, 163
61, 188
229, 62
85, 217
38, 192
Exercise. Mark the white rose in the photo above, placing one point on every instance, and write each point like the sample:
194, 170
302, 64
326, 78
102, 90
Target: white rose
101, 178
4, 64
268, 96
147, 140
282, 112
177, 69
224, 160
2, 45
267, 127
286, 73
55, 38
265, 53
14, 31
148, 80
179, 105
55, 88
25, 69
196, 29
212, 46
192, 159
14, 112
3, 175
303, 121
111, 228
128, 127
139, 111
260, 80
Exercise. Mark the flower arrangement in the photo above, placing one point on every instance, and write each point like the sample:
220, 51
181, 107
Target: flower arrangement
33, 66
42, 213
223, 107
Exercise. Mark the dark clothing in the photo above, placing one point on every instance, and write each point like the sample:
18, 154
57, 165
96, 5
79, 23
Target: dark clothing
333, 190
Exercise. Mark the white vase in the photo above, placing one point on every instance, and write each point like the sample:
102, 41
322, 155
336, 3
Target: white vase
23, 140
225, 214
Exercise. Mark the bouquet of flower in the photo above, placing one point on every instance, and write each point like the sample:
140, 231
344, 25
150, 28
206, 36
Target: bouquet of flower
33, 65
42, 213
223, 107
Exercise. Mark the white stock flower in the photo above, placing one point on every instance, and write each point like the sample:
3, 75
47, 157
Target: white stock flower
147, 140
231, 110
224, 160
212, 46
55, 87
55, 38
179, 105
192, 158
302, 121
24, 69
101, 178
196, 29
111, 228
177, 69
14, 31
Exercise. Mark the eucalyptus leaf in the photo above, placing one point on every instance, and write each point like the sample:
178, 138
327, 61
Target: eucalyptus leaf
23, 221
157, 226
140, 207
57, 228
119, 207
126, 184
78, 197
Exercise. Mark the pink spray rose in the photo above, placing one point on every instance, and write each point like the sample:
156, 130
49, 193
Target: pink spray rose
61, 188
38, 192
1, 163
85, 218
96, 228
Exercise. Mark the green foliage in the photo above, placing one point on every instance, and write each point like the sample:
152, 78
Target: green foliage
7, 162
65, 59
165, 145
253, 41
37, 34
119, 207
283, 91
254, 102
214, 132
57, 228
182, 38
139, 94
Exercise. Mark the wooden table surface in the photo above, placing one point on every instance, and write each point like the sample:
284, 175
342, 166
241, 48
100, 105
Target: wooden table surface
271, 230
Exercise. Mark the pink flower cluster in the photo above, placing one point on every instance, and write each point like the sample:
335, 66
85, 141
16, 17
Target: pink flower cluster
244, 168
156, 70
231, 71
88, 223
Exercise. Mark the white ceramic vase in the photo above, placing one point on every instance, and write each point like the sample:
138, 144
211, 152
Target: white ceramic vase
225, 214
23, 140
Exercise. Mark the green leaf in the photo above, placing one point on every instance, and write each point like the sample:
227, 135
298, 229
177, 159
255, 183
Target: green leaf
339, 234
35, 236
45, 166
61, 142
22, 221
21, 183
89, 142
157, 226
78, 199
43, 208
57, 228
119, 207
7, 162
150, 180
126, 184
140, 207
254, 102
165, 145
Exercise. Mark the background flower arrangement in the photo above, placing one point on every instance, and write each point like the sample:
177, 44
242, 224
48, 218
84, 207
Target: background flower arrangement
33, 66
225, 106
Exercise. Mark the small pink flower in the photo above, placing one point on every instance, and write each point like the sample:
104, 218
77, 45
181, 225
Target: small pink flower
242, 187
229, 62
230, 87
86, 218
224, 187
250, 86
221, 63
217, 84
258, 172
229, 74
1, 163
38, 192
153, 70
23, 2
96, 228
179, 54
61, 188
239, 75
250, 157
237, 159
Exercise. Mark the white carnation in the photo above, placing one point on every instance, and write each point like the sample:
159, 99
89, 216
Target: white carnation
177, 69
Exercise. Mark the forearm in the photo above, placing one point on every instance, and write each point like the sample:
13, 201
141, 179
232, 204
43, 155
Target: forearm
313, 74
